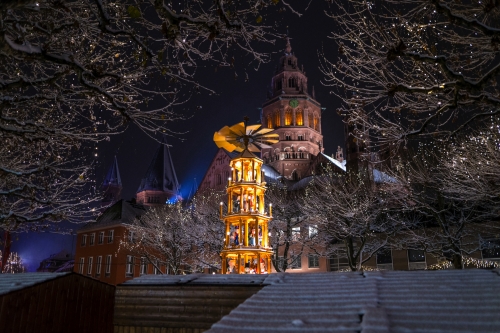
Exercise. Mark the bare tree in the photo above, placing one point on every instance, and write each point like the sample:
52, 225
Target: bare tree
415, 69
208, 230
72, 73
161, 237
453, 196
291, 230
356, 216
183, 237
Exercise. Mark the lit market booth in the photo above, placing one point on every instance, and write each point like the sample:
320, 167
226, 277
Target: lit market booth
246, 247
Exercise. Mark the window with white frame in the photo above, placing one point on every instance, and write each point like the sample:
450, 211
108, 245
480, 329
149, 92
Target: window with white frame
92, 239
111, 234
81, 264
144, 266
89, 267
295, 233
100, 240
156, 268
98, 266
108, 265
313, 260
84, 240
129, 268
313, 230
130, 236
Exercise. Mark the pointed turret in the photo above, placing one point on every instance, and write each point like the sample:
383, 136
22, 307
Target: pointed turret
112, 185
160, 184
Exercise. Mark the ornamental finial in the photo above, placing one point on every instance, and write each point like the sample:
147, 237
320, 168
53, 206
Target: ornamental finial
288, 48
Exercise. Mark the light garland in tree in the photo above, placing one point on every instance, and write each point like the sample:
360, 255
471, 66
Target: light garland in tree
478, 263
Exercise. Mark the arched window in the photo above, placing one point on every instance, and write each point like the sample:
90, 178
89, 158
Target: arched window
310, 119
288, 117
299, 117
269, 121
277, 118
218, 179
291, 82
316, 122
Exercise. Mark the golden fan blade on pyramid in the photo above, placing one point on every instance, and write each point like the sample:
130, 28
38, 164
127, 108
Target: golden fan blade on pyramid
240, 136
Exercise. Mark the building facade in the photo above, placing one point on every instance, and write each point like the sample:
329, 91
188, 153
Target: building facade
100, 253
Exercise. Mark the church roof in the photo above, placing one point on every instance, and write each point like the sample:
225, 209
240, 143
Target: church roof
113, 176
161, 173
122, 212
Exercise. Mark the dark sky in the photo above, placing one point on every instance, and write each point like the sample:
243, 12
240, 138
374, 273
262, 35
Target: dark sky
193, 151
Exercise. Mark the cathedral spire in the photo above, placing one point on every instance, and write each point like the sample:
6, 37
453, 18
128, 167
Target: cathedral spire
112, 185
160, 182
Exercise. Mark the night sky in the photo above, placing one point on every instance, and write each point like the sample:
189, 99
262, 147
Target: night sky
193, 151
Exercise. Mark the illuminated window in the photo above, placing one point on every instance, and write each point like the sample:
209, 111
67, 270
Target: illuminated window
299, 117
288, 117
295, 233
316, 123
269, 121
277, 122
310, 119
313, 230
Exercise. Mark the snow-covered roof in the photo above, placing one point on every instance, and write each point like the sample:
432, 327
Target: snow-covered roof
384, 301
13, 282
197, 279
341, 165
382, 177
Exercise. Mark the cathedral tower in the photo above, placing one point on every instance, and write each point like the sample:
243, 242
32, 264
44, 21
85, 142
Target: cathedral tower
160, 184
112, 185
296, 117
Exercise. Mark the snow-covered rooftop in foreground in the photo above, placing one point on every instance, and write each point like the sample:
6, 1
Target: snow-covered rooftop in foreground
12, 282
385, 301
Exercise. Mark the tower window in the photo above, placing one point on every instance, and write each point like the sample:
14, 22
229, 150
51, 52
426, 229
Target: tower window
316, 123
290, 62
300, 137
288, 117
299, 117
269, 121
310, 119
288, 137
291, 82
277, 118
